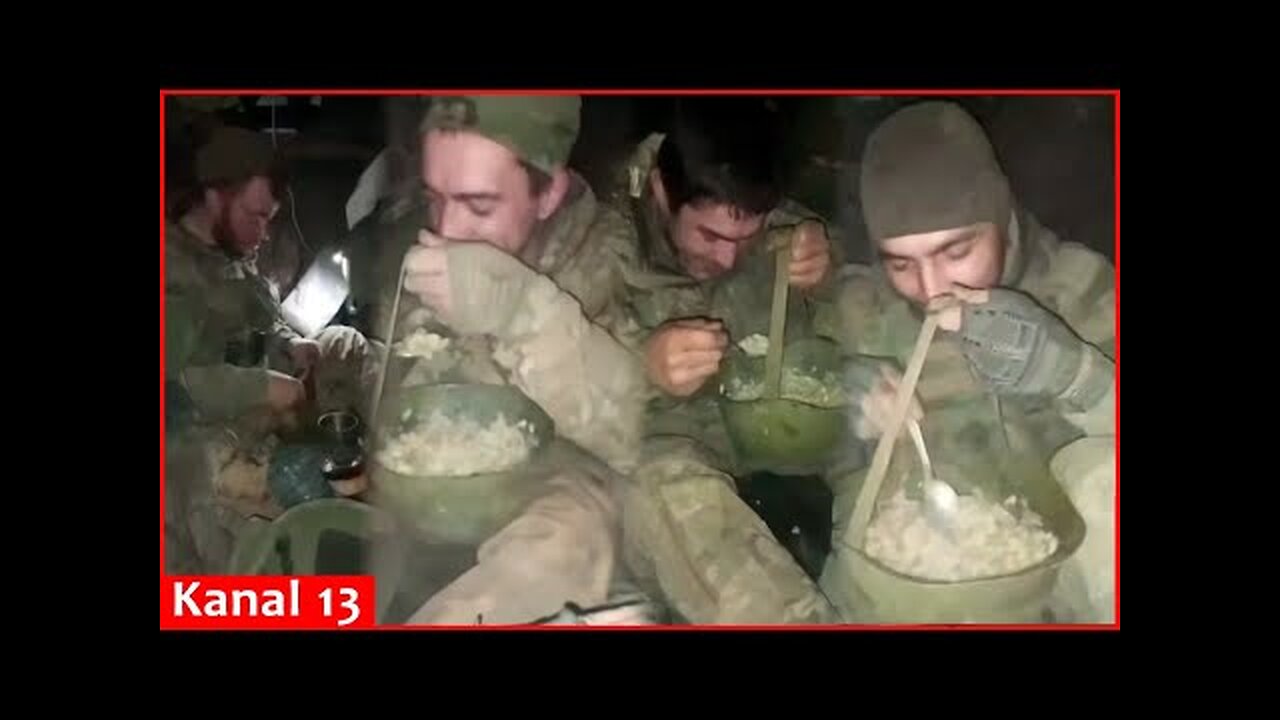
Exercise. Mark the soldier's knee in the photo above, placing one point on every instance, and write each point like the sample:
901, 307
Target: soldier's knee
575, 515
741, 577
659, 477
679, 502
714, 558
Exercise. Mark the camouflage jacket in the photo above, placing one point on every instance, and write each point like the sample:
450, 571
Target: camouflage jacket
557, 347
223, 327
658, 290
967, 428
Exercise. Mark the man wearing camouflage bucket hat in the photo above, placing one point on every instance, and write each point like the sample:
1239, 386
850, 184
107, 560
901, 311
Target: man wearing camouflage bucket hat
231, 358
514, 261
1030, 351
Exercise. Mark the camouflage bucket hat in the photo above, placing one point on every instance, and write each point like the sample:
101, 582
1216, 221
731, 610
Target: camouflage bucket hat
539, 129
234, 154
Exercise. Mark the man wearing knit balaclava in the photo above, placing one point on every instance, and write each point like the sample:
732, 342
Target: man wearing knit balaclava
1025, 361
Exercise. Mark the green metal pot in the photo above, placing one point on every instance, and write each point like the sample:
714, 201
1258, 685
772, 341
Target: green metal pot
465, 509
867, 591
796, 432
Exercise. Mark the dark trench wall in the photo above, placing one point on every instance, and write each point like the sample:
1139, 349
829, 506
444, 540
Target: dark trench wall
1058, 152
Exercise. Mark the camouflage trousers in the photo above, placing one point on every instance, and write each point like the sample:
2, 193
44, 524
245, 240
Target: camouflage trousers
215, 481
211, 489
561, 549
691, 540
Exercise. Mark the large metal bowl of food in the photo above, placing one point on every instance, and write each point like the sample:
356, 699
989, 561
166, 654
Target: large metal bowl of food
459, 461
797, 431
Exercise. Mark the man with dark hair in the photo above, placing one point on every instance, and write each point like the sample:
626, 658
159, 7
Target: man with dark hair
707, 203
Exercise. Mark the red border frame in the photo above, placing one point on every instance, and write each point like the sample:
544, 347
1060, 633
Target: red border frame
1113, 93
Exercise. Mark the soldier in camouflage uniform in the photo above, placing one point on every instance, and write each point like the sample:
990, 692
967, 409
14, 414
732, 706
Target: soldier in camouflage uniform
513, 259
1027, 367
232, 363
707, 208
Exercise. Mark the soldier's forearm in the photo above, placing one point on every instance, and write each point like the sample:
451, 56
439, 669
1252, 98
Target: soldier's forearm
595, 399
621, 322
225, 391
587, 380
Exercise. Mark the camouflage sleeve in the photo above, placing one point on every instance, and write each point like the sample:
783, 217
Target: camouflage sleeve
1099, 419
183, 323
1082, 288
623, 323
674, 429
218, 389
279, 335
858, 320
586, 379
278, 340
591, 384
618, 259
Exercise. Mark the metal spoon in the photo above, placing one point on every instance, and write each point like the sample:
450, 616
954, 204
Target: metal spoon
940, 500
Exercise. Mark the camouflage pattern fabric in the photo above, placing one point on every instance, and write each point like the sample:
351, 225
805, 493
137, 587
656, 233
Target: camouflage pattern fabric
552, 339
968, 429
223, 333
689, 538
226, 324
540, 322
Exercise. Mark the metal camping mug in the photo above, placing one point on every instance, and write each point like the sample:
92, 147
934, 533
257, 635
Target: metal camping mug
343, 466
